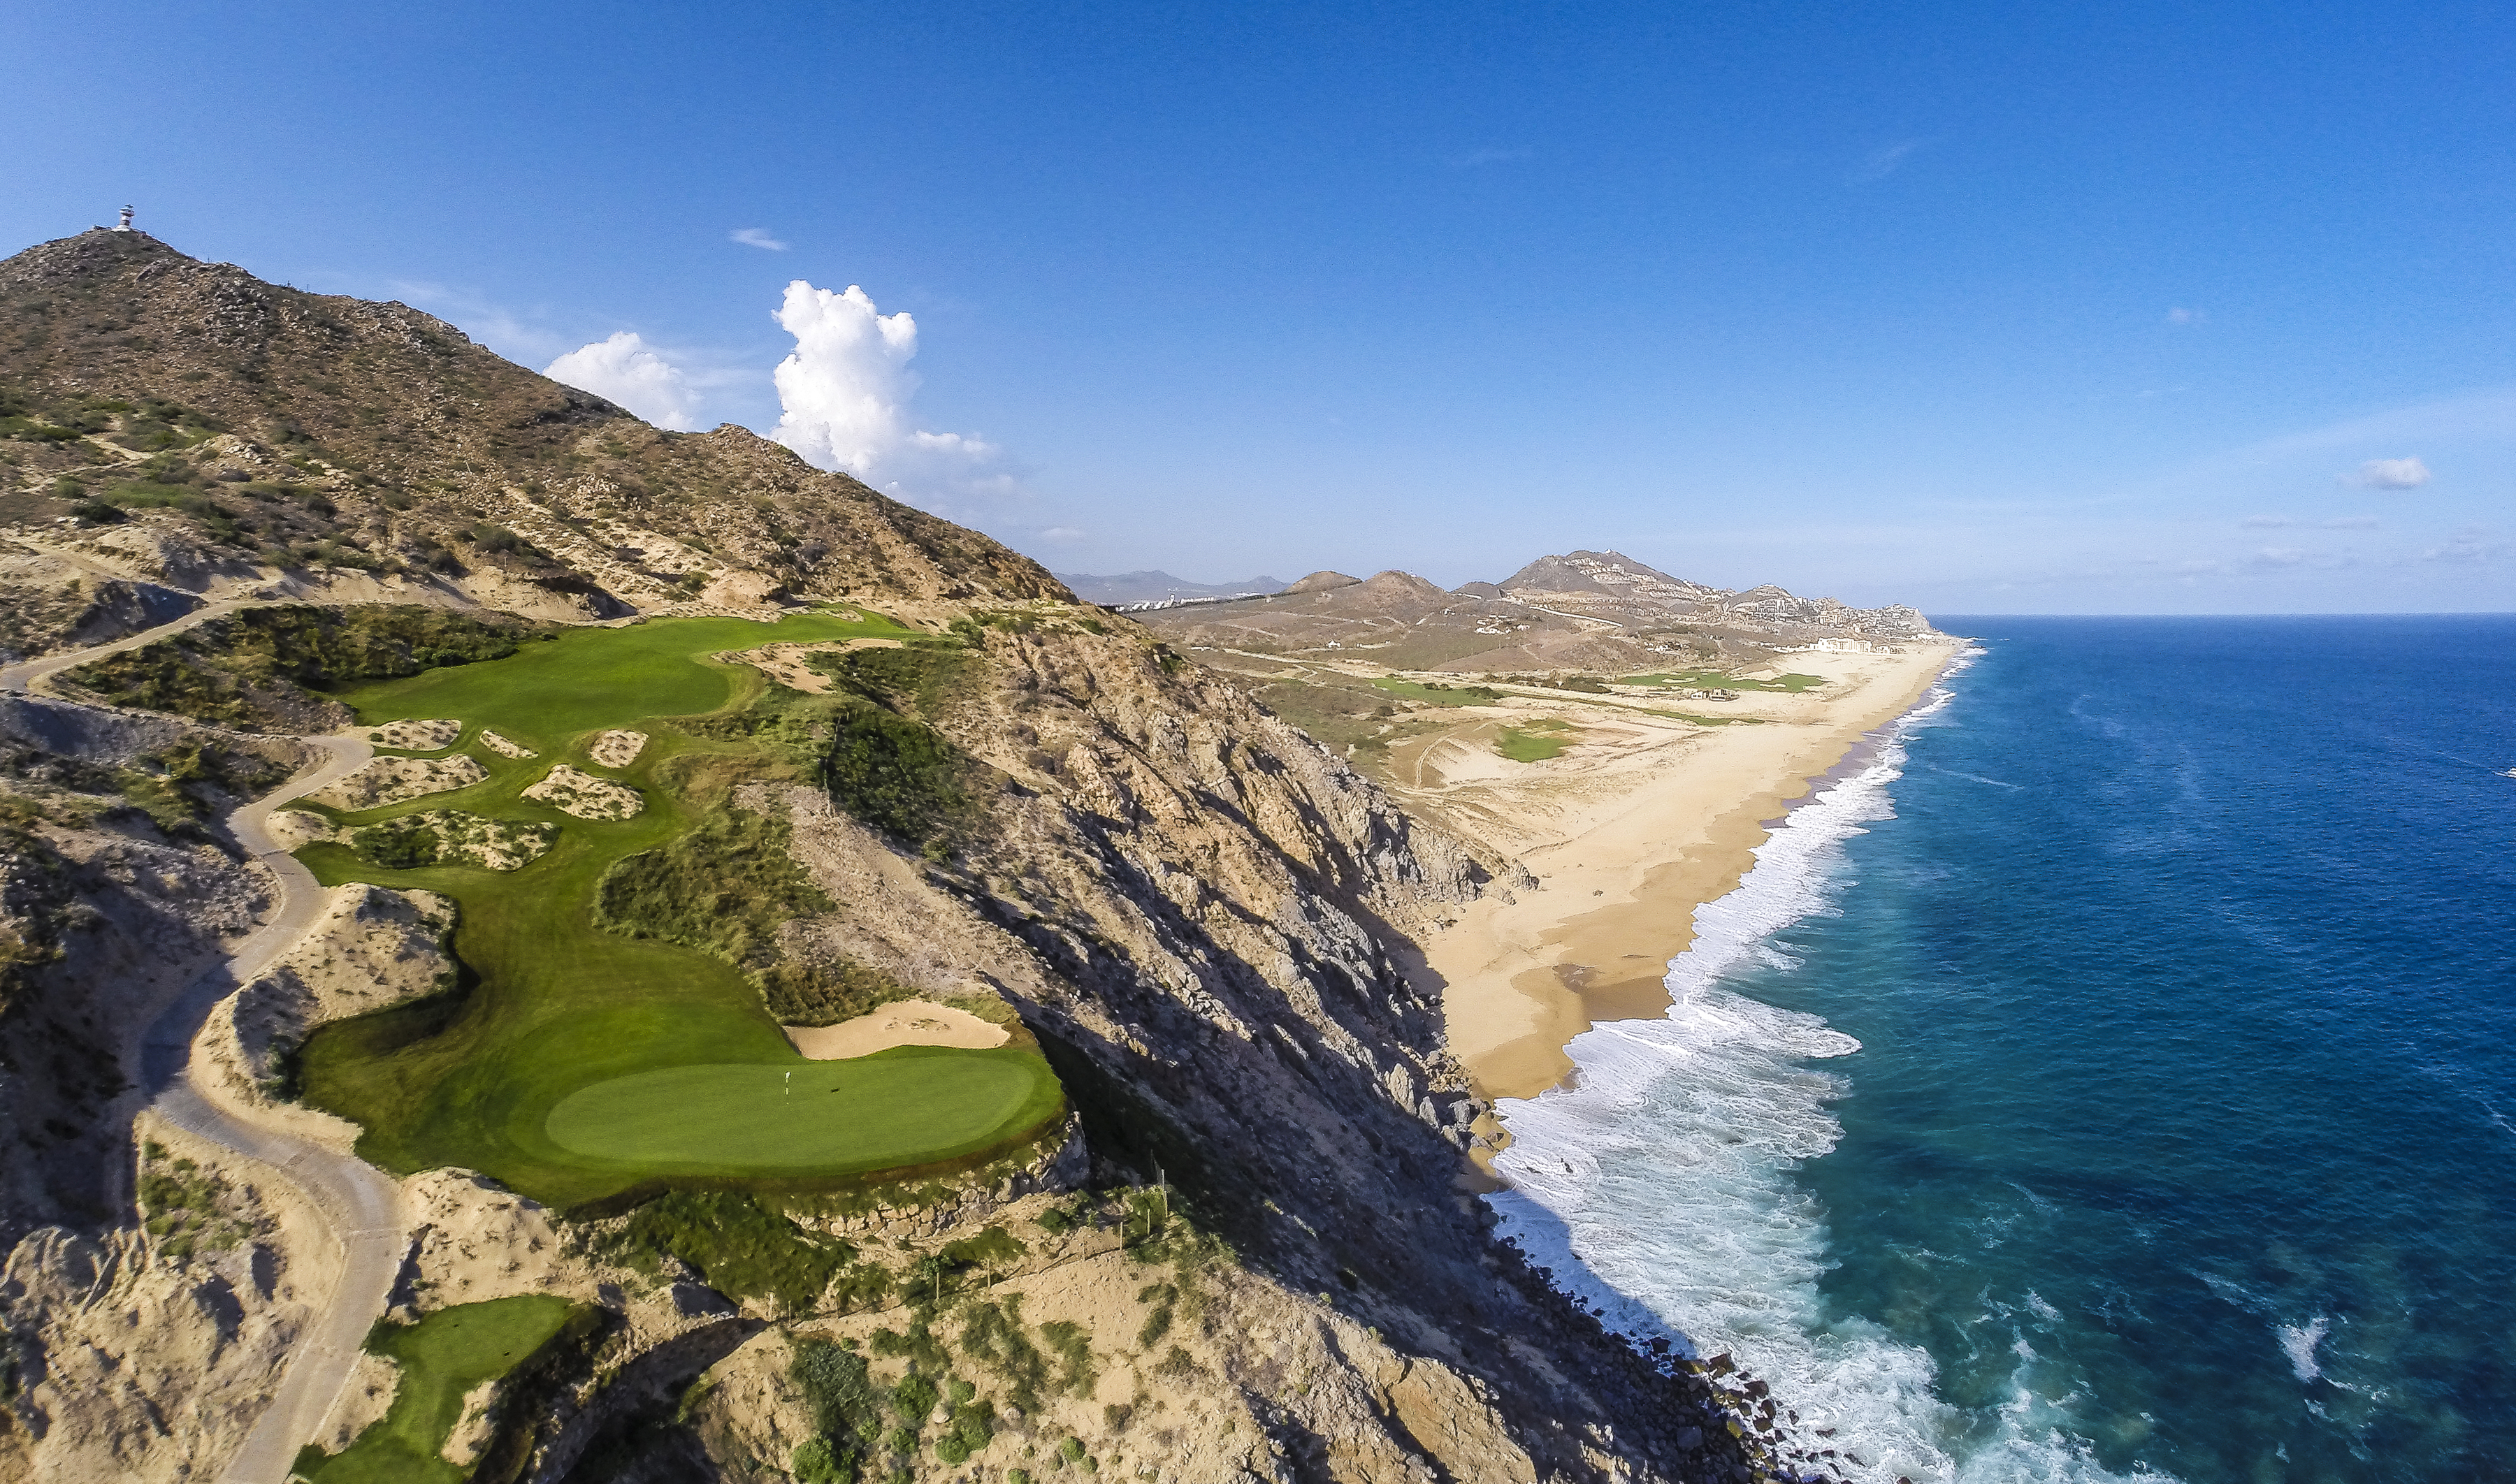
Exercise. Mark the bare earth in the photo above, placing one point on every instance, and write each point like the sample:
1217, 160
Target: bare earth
1638, 824
910, 1023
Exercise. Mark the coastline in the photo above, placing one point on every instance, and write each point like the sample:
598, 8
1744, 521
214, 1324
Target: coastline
1624, 863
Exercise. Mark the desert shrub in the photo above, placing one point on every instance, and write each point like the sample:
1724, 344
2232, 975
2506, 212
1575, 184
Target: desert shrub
215, 670
846, 1407
723, 885
898, 775
740, 1246
826, 994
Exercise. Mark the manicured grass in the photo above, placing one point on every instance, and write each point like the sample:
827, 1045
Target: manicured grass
595, 677
1538, 741
1435, 694
562, 1005
440, 1358
900, 1106
1714, 680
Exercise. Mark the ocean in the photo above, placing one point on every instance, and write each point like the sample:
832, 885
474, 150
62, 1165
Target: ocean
2111, 1075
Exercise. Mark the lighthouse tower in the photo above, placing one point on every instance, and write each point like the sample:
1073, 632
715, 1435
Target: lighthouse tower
125, 224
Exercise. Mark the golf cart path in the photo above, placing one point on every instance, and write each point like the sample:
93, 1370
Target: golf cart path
361, 1204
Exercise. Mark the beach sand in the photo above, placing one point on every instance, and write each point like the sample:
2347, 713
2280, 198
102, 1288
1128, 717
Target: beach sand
1640, 822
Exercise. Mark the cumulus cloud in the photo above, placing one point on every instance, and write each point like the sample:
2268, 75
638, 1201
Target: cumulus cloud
845, 391
755, 236
2389, 474
625, 369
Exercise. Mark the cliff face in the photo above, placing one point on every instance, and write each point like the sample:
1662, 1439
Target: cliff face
1196, 910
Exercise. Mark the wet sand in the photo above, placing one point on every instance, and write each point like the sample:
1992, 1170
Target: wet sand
1628, 850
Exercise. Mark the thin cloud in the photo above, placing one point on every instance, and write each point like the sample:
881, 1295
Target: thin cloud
2285, 522
2389, 474
755, 236
1886, 160
492, 324
2473, 542
2183, 316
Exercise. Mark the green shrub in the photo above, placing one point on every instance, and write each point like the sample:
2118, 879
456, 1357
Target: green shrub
845, 1406
726, 886
826, 994
896, 775
738, 1246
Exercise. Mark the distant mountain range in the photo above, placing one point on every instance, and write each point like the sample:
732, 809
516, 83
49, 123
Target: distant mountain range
1578, 610
1154, 586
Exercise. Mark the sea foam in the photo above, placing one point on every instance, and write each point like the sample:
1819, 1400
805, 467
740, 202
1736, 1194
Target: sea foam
1661, 1189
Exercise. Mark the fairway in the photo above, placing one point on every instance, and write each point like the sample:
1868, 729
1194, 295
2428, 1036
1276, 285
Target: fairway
884, 1110
595, 678
582, 1062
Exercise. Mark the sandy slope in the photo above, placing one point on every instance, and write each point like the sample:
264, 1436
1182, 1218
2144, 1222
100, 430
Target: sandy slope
1627, 833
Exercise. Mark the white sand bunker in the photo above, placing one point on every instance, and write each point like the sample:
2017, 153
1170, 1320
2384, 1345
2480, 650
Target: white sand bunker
910, 1023
585, 796
417, 736
504, 747
617, 748
391, 780
296, 829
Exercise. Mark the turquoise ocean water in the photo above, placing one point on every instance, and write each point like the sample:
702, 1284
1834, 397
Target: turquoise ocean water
2112, 1076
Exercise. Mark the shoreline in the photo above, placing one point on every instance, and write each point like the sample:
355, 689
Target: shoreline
1524, 972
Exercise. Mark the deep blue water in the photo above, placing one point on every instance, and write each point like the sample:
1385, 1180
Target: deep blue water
2181, 1134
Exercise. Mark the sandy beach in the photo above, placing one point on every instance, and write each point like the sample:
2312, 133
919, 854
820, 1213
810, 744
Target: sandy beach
1638, 822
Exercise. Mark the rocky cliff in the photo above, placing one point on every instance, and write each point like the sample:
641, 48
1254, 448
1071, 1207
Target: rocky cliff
1200, 913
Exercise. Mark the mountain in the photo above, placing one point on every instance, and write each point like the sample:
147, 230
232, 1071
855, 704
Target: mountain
1245, 1254
1154, 586
1582, 611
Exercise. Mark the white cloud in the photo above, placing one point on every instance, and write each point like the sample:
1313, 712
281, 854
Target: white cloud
2473, 542
845, 391
624, 369
2389, 474
1063, 533
755, 236
2280, 555
2183, 316
2283, 523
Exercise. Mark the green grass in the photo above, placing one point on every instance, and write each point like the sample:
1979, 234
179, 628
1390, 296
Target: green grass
907, 1105
440, 1358
562, 1005
1536, 742
1714, 680
1433, 694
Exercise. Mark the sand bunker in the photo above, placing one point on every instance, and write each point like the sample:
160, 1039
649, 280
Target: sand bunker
617, 748
910, 1023
417, 736
791, 664
584, 795
296, 829
504, 747
391, 780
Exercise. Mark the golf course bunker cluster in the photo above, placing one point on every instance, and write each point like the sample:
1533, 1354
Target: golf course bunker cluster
605, 1041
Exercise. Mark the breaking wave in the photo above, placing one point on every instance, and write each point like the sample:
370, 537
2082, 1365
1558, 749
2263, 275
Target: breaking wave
1661, 1189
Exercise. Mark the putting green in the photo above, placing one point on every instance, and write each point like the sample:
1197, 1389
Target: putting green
867, 1114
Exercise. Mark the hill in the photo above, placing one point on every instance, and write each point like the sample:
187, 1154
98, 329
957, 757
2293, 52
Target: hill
837, 754
1156, 587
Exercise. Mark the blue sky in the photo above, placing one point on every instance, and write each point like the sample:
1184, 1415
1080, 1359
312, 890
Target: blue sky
1991, 308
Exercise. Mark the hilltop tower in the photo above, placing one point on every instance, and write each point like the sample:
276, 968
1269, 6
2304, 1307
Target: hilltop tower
125, 224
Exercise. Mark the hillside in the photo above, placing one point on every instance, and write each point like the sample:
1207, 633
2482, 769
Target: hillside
940, 780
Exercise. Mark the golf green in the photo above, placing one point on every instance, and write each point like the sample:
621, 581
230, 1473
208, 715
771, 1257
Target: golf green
579, 1062
869, 1113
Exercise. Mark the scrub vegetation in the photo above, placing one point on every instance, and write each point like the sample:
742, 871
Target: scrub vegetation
244, 668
